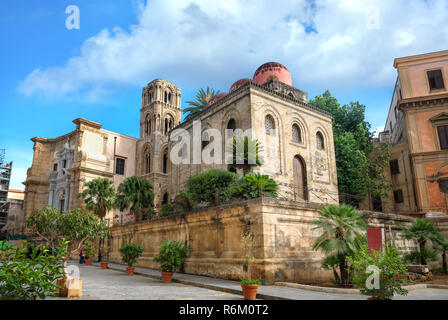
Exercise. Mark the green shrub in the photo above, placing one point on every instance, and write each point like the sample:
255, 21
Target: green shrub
390, 266
251, 281
184, 201
131, 252
88, 249
166, 210
30, 275
171, 255
415, 257
203, 186
249, 187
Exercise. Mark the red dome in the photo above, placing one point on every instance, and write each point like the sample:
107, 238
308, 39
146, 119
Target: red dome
272, 69
238, 84
218, 97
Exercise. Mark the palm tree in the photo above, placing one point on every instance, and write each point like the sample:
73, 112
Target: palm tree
136, 193
441, 244
245, 154
421, 231
200, 103
341, 234
99, 196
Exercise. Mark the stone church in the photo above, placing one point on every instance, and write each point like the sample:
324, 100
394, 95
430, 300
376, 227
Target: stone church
297, 138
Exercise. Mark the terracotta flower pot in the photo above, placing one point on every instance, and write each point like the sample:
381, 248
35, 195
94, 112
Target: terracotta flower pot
249, 291
104, 265
130, 270
88, 262
167, 276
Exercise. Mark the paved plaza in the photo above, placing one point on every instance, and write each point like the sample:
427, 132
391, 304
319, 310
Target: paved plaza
115, 284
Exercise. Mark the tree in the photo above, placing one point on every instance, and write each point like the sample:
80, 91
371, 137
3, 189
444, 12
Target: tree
76, 226
360, 164
245, 154
341, 236
252, 186
441, 244
99, 196
422, 231
30, 274
389, 266
136, 193
201, 102
203, 187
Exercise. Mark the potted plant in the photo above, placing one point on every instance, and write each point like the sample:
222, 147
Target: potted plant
378, 273
248, 285
171, 255
89, 252
131, 252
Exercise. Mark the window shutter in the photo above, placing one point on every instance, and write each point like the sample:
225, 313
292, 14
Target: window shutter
435, 79
443, 136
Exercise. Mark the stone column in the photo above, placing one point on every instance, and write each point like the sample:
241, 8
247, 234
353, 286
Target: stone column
50, 197
67, 198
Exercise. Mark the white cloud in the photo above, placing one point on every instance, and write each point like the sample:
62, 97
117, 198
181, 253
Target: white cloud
217, 42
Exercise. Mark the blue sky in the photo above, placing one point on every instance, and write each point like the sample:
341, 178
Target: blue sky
52, 75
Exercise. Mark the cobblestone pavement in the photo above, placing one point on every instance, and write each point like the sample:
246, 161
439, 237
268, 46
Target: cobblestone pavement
99, 284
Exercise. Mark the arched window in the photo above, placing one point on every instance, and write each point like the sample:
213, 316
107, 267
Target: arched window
147, 162
165, 98
296, 134
231, 124
148, 126
165, 162
169, 97
320, 141
291, 95
165, 198
151, 98
269, 124
166, 125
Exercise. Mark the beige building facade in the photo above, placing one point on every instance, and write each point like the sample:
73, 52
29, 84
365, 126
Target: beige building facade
297, 141
297, 138
61, 166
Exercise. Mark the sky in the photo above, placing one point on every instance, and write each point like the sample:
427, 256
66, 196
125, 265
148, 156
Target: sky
51, 75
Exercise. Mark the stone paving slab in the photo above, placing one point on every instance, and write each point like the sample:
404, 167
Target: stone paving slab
274, 292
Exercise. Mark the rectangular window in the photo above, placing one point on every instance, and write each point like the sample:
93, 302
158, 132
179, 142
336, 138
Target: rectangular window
119, 166
64, 163
443, 136
394, 167
55, 167
435, 80
398, 196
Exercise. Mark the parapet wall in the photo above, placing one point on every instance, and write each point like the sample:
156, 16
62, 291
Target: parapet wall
283, 234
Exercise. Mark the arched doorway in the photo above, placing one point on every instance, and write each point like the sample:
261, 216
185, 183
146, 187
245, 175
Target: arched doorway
300, 181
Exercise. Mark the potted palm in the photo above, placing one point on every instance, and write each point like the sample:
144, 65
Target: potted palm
131, 252
89, 252
248, 285
171, 255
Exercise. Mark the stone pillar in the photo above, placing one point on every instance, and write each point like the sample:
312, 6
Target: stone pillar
67, 198
50, 198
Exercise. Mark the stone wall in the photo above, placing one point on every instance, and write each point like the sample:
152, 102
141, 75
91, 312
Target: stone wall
283, 236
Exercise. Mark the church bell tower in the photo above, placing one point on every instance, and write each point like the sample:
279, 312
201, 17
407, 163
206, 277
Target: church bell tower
160, 112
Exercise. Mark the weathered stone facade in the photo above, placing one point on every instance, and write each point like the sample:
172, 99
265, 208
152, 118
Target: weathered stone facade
299, 151
62, 166
283, 234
